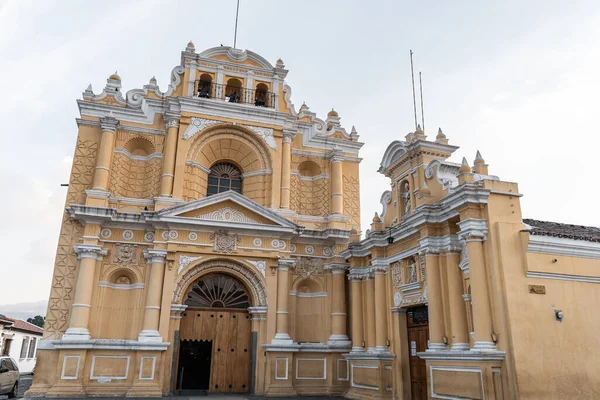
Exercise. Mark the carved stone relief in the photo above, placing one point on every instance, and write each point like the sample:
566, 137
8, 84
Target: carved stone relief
125, 254
307, 266
223, 242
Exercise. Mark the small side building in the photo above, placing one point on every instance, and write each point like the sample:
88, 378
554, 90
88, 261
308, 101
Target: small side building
19, 340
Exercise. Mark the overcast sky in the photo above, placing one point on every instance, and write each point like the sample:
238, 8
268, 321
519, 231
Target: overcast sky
515, 79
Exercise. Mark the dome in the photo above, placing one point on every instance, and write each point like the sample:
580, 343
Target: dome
115, 77
332, 113
376, 219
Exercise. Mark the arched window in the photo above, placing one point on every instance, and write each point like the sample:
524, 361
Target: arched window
224, 177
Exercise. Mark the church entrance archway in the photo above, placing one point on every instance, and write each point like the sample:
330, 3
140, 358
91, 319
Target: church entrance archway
215, 336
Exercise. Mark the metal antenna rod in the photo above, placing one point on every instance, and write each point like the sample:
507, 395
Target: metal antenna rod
412, 73
236, 23
422, 114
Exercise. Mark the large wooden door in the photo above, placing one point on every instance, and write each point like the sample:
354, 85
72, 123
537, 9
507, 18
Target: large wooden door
217, 313
418, 337
229, 332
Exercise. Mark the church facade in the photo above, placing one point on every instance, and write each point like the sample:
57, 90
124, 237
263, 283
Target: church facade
211, 242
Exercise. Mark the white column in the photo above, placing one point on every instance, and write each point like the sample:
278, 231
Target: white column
282, 335
157, 259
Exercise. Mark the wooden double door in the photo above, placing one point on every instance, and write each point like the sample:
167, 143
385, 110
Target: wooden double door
418, 339
214, 350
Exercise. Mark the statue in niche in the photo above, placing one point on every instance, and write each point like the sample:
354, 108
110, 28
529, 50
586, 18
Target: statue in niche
412, 268
406, 196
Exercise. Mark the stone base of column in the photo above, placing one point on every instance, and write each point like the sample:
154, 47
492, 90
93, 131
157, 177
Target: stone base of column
76, 334
282, 339
460, 346
150, 336
357, 350
436, 347
484, 346
382, 349
336, 340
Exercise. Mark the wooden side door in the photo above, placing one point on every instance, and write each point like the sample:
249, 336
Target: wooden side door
418, 337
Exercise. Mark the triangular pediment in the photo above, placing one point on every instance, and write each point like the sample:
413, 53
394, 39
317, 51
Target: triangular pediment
225, 208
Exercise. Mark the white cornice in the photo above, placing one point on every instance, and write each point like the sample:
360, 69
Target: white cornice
563, 277
317, 154
102, 344
122, 127
458, 355
563, 246
138, 158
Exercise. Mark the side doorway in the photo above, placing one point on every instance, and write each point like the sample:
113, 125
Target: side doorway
418, 338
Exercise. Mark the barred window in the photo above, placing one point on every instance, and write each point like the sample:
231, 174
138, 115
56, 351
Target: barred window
32, 348
224, 177
24, 347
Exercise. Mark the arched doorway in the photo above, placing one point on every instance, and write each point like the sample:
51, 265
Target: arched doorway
215, 336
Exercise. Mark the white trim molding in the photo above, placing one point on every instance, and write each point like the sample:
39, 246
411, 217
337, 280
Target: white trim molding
141, 378
311, 377
453, 369
277, 368
62, 374
93, 377
338, 370
563, 277
563, 246
358, 385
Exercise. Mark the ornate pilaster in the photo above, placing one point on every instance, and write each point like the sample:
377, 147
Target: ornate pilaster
286, 167
87, 255
283, 292
370, 311
435, 306
337, 201
458, 320
474, 232
338, 335
157, 259
381, 310
109, 126
357, 314
172, 125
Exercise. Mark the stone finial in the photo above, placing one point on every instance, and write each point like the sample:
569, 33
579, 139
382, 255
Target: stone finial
304, 107
190, 47
280, 63
419, 134
464, 168
115, 77
480, 167
333, 113
376, 218
464, 173
419, 129
353, 133
478, 158
441, 137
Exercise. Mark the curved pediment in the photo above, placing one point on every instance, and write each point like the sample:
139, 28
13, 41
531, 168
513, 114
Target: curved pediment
392, 154
237, 56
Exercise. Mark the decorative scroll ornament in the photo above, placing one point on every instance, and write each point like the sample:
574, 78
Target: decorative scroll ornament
125, 254
396, 274
149, 236
397, 299
260, 265
184, 261
223, 242
227, 214
423, 269
197, 124
307, 266
266, 134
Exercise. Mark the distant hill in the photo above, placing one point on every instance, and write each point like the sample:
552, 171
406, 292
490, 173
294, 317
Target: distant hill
24, 310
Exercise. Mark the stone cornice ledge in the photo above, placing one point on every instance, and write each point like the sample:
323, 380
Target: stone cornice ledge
307, 348
563, 246
102, 344
467, 355
369, 356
